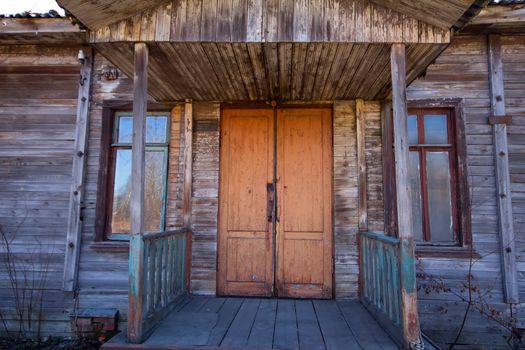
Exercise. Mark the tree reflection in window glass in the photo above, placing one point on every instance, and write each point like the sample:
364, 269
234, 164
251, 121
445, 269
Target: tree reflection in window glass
155, 174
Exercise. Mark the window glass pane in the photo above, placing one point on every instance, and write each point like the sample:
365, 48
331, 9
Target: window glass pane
436, 131
125, 129
153, 191
121, 192
412, 130
415, 186
439, 197
156, 128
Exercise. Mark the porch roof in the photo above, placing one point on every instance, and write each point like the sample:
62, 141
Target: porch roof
269, 71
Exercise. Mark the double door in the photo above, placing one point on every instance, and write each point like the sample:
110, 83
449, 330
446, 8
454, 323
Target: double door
275, 203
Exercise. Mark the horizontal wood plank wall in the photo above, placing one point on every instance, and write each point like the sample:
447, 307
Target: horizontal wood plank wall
346, 201
374, 166
462, 72
38, 99
513, 56
205, 200
272, 21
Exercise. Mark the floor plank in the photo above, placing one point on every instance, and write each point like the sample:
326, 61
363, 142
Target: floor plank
239, 331
195, 304
225, 317
213, 305
368, 332
310, 337
261, 336
285, 336
335, 331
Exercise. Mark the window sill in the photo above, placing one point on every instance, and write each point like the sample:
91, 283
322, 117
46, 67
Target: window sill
110, 246
446, 252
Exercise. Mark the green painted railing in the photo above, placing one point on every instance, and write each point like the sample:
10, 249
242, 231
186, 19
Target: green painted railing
381, 280
163, 279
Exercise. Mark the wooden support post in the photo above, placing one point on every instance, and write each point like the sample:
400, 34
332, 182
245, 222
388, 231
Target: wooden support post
361, 164
76, 196
409, 311
503, 189
136, 248
186, 191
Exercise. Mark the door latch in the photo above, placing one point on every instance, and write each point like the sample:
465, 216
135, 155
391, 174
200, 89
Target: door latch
270, 202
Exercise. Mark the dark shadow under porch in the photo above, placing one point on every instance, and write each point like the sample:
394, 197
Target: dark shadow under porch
256, 323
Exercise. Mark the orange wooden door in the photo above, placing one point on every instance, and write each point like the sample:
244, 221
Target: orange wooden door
245, 264
304, 197
304, 200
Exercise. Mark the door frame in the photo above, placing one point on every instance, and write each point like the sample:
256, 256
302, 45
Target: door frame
275, 105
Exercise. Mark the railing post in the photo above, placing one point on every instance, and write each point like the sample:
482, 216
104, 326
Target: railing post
409, 311
136, 249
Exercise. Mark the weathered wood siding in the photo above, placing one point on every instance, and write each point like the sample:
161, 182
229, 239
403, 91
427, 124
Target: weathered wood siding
462, 72
346, 223
346, 216
38, 97
205, 201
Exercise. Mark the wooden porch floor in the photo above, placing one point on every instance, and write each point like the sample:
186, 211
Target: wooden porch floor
253, 323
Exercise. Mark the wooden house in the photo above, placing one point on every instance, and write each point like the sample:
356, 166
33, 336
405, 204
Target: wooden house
324, 174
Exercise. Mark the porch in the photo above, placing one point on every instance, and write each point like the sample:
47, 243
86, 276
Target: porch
255, 323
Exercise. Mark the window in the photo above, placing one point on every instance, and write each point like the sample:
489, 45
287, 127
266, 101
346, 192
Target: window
118, 208
438, 177
432, 173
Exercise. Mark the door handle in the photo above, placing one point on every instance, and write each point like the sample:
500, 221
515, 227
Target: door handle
270, 195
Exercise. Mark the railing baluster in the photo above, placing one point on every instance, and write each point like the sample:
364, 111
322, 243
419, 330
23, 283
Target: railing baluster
164, 272
158, 273
151, 272
169, 269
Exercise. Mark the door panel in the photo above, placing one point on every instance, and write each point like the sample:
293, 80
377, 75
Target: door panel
245, 239
304, 194
304, 203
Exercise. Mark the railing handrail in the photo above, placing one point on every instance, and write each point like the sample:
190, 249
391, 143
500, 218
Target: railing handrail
378, 236
154, 235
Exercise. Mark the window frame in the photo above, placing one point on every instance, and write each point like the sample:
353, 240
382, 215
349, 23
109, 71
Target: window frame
462, 201
112, 147
422, 149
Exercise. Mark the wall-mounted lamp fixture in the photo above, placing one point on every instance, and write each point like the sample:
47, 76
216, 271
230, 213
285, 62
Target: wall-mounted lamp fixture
81, 56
